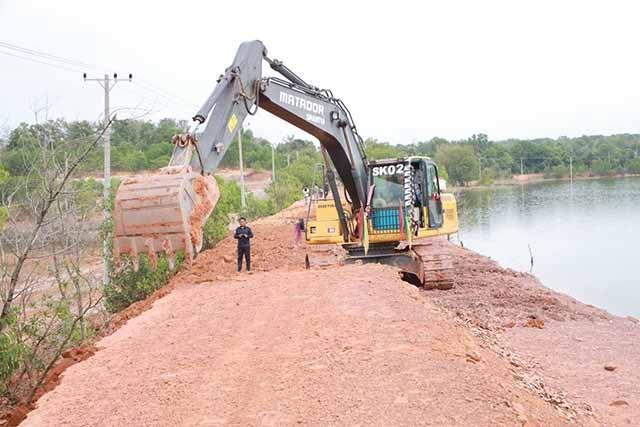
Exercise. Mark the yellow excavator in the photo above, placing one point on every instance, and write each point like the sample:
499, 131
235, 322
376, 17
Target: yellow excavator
384, 211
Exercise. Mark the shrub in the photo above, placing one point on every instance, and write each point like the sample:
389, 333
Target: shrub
217, 226
634, 166
11, 352
557, 172
128, 286
602, 167
488, 175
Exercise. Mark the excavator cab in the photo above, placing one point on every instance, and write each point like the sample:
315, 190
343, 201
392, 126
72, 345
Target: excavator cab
406, 198
406, 203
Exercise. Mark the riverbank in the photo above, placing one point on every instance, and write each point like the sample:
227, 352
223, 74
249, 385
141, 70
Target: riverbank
580, 358
352, 344
532, 178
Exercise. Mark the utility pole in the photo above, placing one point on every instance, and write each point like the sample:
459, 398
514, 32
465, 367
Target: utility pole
479, 168
521, 166
571, 168
243, 199
107, 84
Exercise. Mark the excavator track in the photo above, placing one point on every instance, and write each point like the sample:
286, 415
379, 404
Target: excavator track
427, 263
438, 264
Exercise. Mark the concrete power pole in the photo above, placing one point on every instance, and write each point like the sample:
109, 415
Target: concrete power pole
107, 85
571, 169
243, 199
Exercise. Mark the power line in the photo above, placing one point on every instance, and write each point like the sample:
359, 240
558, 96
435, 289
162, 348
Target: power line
167, 94
75, 66
33, 52
61, 67
156, 102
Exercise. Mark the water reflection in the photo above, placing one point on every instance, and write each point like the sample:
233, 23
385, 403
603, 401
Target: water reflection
583, 235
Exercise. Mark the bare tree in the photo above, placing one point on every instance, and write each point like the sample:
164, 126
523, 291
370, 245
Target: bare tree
33, 206
47, 288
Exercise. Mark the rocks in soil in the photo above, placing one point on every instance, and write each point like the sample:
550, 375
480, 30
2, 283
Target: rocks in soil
535, 323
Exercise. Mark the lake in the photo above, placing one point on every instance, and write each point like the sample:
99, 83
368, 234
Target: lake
584, 236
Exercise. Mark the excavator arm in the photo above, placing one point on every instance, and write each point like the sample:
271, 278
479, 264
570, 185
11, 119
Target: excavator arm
166, 212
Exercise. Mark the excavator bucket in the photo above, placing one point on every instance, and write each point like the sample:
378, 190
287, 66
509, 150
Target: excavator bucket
163, 213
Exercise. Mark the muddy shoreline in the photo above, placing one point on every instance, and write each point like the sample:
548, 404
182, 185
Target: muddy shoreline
581, 358
534, 179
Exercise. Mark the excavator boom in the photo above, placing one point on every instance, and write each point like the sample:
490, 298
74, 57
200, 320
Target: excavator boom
388, 202
165, 212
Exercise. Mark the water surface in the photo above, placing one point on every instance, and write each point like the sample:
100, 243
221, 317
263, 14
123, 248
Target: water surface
584, 236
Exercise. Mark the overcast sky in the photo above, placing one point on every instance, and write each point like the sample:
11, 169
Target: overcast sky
408, 71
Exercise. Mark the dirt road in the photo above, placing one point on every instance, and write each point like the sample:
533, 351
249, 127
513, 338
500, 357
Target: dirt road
351, 345
291, 348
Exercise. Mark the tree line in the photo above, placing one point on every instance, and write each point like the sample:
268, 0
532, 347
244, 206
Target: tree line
143, 145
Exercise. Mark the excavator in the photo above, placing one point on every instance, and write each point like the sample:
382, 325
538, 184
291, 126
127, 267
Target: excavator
383, 211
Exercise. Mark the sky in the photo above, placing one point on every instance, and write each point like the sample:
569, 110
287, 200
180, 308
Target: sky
408, 71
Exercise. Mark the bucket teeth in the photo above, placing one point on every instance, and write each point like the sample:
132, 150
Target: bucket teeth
153, 257
133, 252
168, 251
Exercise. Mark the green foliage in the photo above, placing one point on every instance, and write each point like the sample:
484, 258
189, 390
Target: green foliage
488, 176
217, 226
135, 145
142, 145
556, 172
128, 286
383, 150
28, 344
460, 162
634, 166
285, 191
260, 207
4, 212
602, 167
4, 216
87, 192
442, 173
4, 176
11, 351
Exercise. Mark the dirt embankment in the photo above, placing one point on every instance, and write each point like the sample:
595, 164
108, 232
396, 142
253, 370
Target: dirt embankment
580, 358
351, 345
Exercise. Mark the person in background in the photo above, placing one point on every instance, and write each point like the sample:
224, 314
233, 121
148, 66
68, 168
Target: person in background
299, 228
305, 192
244, 236
326, 190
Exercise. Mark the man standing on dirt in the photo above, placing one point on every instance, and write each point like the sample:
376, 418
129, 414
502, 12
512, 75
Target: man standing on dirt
244, 234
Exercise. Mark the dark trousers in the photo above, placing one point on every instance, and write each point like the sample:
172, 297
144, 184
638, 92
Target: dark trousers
246, 252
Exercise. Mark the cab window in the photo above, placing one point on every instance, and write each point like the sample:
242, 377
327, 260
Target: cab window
432, 181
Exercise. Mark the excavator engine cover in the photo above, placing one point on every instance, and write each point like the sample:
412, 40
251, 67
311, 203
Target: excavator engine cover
163, 213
